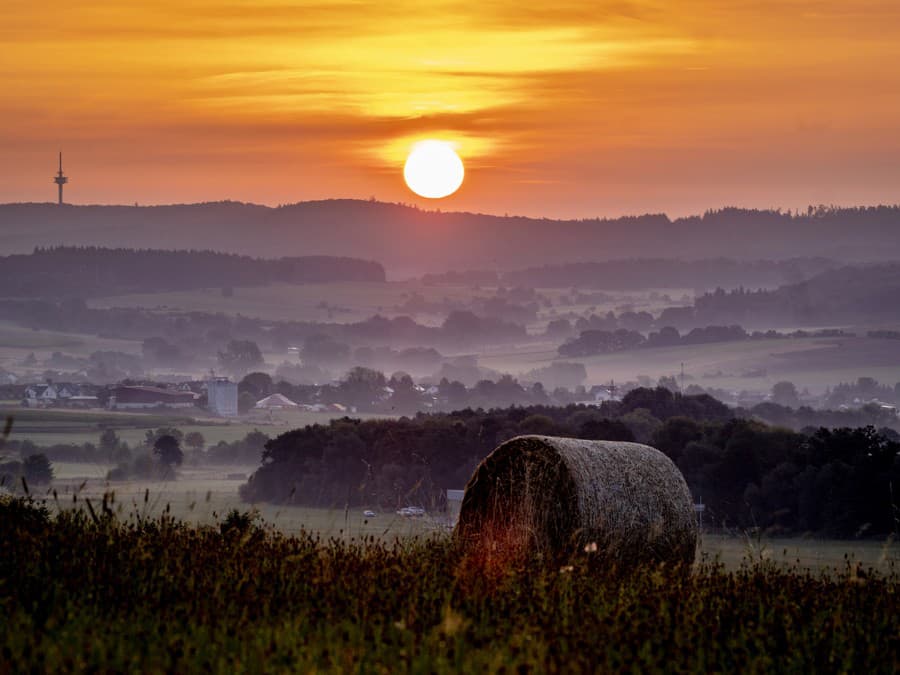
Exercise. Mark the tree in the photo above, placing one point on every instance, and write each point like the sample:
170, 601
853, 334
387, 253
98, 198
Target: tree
37, 469
258, 384
240, 356
362, 387
324, 349
109, 442
405, 398
669, 382
785, 393
674, 435
605, 430
246, 402
641, 423
151, 436
168, 449
195, 441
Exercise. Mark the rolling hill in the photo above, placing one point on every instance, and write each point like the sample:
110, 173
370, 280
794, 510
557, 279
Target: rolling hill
408, 240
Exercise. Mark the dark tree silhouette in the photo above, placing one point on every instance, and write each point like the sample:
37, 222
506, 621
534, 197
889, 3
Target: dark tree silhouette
37, 469
168, 449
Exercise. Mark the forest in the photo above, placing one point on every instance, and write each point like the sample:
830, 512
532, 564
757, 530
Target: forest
847, 294
836, 482
85, 271
411, 240
670, 273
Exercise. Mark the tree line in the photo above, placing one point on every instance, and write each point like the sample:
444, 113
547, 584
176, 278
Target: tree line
83, 271
837, 482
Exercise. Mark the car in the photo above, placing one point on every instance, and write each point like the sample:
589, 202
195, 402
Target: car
369, 513
411, 511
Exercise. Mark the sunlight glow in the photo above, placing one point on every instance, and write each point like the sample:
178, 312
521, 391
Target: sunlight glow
433, 169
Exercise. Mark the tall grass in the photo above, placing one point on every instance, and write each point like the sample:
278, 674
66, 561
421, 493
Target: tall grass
82, 590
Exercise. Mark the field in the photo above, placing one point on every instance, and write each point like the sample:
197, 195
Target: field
343, 302
813, 363
84, 592
48, 427
16, 343
355, 301
203, 495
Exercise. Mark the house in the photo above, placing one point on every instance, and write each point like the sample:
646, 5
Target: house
43, 395
222, 396
143, 397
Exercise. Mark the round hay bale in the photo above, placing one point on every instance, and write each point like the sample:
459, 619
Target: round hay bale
625, 503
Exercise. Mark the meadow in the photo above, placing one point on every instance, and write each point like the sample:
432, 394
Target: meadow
52, 426
342, 302
16, 343
84, 590
204, 495
813, 363
347, 302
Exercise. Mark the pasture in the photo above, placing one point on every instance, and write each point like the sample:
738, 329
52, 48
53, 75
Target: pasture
52, 426
813, 363
16, 343
203, 495
342, 302
347, 302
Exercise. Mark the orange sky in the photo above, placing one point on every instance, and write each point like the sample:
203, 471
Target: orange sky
579, 109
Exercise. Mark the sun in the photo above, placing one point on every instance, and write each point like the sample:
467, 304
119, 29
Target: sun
433, 169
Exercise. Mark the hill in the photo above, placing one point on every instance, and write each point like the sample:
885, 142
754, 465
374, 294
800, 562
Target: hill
85, 271
412, 241
849, 294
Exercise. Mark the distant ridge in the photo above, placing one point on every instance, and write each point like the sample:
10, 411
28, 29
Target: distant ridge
412, 241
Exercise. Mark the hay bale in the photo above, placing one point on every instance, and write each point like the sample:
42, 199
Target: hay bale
558, 496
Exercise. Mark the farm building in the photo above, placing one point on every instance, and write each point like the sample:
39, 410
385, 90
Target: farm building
276, 402
222, 396
141, 397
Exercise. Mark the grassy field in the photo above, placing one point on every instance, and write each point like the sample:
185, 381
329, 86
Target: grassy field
355, 301
814, 363
51, 426
203, 495
83, 592
17, 342
344, 302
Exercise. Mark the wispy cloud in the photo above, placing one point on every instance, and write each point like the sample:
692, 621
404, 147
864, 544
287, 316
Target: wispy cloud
674, 104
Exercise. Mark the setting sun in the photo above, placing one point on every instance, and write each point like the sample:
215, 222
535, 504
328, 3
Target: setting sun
433, 169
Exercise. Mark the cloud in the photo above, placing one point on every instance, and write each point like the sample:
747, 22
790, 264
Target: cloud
562, 94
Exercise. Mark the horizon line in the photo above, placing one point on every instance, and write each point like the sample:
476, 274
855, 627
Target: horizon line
438, 211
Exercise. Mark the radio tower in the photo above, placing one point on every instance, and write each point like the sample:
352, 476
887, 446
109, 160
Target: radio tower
60, 180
